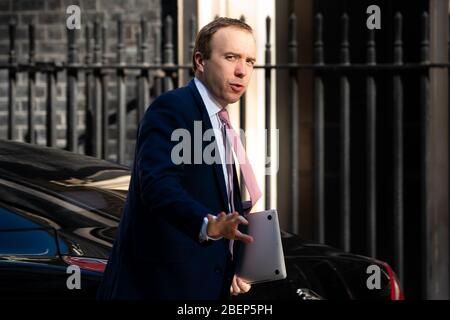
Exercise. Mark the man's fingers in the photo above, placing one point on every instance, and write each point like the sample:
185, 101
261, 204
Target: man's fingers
241, 219
235, 287
239, 286
232, 216
243, 237
236, 218
226, 225
244, 286
221, 216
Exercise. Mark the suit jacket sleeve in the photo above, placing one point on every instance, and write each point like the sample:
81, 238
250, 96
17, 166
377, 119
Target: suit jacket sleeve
159, 178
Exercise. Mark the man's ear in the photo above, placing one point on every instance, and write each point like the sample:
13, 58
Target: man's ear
199, 61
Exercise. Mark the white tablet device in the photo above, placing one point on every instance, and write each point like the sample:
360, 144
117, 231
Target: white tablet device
263, 259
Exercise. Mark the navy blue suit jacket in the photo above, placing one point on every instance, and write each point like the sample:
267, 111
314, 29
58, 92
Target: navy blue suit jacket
157, 252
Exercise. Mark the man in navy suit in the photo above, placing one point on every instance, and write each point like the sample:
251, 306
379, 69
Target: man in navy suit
174, 237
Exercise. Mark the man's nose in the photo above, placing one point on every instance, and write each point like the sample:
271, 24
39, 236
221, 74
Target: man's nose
241, 69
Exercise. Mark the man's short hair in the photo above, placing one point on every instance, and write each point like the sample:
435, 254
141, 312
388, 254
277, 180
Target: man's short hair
203, 39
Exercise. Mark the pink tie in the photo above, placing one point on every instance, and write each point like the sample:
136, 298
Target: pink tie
246, 167
239, 151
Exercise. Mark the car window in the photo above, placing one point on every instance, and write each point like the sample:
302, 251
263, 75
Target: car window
49, 210
10, 220
36, 243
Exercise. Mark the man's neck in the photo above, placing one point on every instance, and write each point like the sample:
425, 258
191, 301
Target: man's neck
203, 89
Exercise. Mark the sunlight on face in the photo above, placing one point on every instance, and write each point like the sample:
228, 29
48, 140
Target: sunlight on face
227, 72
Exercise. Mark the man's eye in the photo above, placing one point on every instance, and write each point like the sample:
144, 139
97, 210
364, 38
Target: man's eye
230, 58
251, 62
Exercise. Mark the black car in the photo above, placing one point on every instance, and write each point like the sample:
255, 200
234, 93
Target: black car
59, 213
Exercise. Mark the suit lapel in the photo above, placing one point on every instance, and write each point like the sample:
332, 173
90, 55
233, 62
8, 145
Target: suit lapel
207, 125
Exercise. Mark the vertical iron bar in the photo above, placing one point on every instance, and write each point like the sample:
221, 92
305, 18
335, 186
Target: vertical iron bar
168, 51
104, 107
98, 142
398, 151
121, 94
371, 149
424, 109
143, 81
319, 135
192, 36
345, 140
12, 81
145, 60
31, 86
294, 107
424, 106
267, 71
72, 141
158, 73
50, 109
89, 116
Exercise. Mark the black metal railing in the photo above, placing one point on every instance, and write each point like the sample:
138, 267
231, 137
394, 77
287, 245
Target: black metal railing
152, 77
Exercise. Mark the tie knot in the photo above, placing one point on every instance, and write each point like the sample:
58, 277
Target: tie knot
223, 115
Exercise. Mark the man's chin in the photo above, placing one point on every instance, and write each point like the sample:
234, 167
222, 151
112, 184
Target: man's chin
234, 99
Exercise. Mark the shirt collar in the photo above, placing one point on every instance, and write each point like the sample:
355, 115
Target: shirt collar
212, 106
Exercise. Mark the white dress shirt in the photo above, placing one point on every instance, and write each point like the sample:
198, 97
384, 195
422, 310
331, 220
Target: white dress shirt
213, 108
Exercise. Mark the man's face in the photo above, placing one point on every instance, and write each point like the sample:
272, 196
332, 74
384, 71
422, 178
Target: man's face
227, 72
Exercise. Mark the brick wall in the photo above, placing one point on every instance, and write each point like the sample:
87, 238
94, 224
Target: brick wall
49, 17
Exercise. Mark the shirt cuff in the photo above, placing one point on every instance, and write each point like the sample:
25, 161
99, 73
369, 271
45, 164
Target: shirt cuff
203, 236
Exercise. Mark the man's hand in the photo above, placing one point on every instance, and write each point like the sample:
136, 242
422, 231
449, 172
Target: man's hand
239, 286
225, 225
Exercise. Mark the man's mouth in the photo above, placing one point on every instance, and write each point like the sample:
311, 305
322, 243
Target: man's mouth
237, 87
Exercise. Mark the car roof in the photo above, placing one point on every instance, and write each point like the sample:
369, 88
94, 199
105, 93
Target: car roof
70, 176
34, 160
